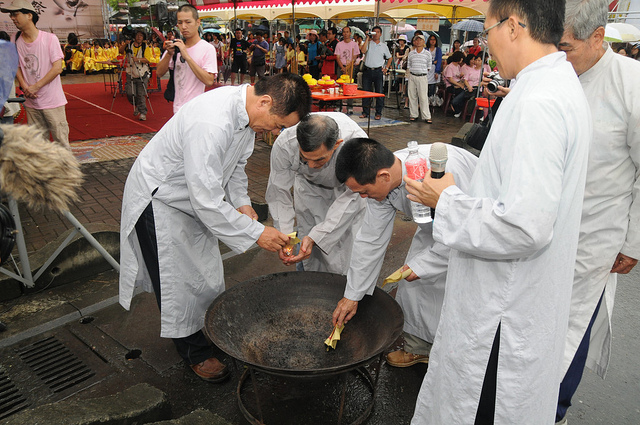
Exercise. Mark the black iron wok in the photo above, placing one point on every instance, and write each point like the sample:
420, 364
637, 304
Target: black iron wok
278, 323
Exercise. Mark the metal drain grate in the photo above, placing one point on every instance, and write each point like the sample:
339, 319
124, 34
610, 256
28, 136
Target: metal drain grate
11, 400
55, 364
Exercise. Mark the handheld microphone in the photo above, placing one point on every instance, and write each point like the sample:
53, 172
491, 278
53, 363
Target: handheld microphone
438, 160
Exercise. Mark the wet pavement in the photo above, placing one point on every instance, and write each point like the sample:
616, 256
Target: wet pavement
81, 324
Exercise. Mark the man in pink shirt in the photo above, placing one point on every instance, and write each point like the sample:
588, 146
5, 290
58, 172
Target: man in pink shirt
347, 51
39, 70
195, 66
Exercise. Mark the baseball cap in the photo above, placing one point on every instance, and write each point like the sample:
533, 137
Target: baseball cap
419, 36
18, 5
314, 32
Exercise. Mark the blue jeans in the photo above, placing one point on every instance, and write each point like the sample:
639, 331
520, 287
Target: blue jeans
372, 80
572, 378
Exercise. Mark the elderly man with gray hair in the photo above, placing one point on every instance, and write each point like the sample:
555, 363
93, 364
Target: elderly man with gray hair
327, 213
609, 240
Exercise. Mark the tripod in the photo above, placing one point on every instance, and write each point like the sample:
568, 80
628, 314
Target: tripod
132, 64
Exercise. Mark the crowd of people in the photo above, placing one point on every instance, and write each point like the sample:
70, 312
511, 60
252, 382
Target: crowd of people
509, 291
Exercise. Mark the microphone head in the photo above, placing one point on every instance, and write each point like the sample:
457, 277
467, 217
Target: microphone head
35, 171
438, 157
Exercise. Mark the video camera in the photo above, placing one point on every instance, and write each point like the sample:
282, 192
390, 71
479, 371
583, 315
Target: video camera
128, 33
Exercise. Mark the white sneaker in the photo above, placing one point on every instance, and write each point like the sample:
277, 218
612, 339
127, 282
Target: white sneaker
143, 117
455, 115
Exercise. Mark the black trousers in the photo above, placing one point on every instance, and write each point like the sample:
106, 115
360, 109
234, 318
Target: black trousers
487, 405
194, 348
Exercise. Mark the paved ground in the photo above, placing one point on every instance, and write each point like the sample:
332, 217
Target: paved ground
122, 348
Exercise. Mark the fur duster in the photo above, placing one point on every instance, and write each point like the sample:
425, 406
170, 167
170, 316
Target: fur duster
35, 171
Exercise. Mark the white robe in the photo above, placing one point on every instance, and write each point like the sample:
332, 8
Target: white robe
195, 164
611, 210
325, 209
421, 300
426, 259
513, 240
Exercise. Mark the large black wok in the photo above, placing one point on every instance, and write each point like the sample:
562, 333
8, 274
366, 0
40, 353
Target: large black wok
278, 323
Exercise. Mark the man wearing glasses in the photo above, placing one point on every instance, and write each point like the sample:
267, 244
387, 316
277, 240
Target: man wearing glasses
498, 350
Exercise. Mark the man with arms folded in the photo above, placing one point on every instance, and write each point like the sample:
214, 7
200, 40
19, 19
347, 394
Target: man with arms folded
375, 173
39, 70
328, 214
609, 240
196, 64
186, 191
513, 235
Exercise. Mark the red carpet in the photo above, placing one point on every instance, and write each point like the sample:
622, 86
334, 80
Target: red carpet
89, 115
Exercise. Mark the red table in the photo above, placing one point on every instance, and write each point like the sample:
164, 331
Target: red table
360, 94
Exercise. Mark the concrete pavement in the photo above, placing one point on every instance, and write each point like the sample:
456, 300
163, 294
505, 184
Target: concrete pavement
120, 349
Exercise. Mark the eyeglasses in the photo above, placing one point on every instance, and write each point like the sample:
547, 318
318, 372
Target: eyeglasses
484, 34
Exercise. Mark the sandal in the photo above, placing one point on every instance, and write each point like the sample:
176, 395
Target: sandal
428, 121
413, 119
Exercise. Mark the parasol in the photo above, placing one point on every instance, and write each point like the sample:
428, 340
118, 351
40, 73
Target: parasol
621, 32
470, 26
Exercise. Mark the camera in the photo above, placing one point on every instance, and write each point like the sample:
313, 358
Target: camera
496, 81
128, 33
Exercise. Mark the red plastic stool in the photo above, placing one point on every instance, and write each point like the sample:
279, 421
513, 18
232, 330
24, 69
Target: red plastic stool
482, 102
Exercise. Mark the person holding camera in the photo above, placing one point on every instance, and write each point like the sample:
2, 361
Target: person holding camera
193, 60
375, 68
137, 68
259, 48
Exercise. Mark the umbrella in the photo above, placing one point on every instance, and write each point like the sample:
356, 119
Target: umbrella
620, 32
356, 30
470, 26
405, 28
158, 33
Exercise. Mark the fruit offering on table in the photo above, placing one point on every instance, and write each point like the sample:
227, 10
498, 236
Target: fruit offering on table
325, 82
310, 80
344, 79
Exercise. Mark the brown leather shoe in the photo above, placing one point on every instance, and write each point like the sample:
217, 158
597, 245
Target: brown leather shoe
401, 358
211, 370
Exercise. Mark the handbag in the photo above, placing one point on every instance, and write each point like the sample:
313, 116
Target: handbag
170, 92
478, 133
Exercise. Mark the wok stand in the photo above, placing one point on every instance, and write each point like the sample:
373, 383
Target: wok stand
275, 326
368, 379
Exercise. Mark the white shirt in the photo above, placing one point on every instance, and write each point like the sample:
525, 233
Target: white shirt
419, 62
195, 165
513, 239
325, 209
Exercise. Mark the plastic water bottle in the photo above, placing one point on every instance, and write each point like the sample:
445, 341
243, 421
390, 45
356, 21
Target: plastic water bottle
416, 165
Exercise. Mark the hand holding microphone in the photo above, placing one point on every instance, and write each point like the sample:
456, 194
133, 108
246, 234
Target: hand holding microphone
428, 191
438, 156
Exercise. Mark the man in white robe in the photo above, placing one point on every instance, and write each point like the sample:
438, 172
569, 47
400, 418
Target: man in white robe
372, 171
186, 191
327, 213
513, 236
609, 240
